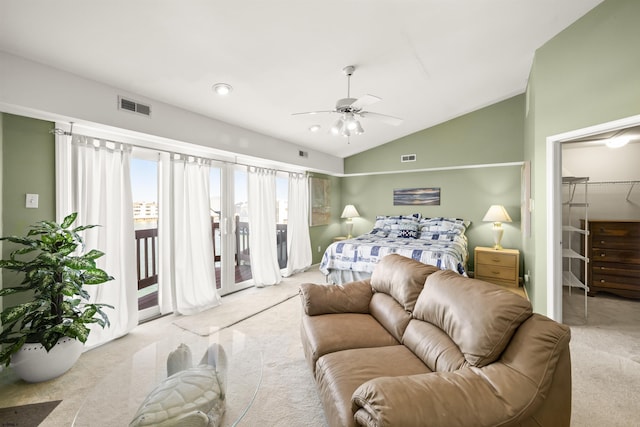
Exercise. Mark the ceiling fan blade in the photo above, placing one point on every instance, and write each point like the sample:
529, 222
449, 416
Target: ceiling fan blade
314, 112
365, 100
390, 120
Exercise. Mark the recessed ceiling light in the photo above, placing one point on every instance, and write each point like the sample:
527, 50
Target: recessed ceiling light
222, 89
314, 128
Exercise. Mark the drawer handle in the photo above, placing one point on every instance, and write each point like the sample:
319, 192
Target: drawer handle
602, 255
497, 273
495, 259
601, 280
602, 242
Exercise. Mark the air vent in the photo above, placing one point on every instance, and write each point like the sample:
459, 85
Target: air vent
133, 106
303, 153
408, 158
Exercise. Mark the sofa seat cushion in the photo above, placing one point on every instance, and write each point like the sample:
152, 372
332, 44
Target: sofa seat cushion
327, 333
479, 317
339, 374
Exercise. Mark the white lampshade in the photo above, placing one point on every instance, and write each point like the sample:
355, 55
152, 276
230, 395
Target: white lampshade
349, 212
497, 214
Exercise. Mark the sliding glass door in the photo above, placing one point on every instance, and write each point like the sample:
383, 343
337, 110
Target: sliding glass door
229, 186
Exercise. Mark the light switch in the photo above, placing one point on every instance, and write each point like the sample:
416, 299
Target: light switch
32, 201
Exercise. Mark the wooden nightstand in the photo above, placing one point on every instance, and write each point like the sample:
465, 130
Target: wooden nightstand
497, 266
339, 238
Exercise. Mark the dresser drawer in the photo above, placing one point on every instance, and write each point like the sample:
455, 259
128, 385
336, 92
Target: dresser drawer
497, 258
617, 283
486, 271
615, 242
615, 255
615, 229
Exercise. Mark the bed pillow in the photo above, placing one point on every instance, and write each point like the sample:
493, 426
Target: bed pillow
391, 224
451, 225
442, 236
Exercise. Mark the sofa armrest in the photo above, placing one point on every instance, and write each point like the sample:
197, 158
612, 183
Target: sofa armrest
490, 396
353, 297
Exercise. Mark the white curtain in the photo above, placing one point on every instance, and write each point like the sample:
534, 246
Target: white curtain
262, 227
299, 255
93, 179
187, 281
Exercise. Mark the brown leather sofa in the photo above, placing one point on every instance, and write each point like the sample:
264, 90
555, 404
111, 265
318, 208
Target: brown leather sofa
417, 346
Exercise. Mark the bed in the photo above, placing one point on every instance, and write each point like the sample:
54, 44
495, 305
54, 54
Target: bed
437, 241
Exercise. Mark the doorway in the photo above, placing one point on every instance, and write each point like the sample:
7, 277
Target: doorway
555, 174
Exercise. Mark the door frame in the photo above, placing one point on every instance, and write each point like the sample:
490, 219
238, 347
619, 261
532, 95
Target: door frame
554, 205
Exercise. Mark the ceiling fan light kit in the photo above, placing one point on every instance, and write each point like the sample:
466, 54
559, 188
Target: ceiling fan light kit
351, 108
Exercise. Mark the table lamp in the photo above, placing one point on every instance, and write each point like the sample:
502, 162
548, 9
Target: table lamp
349, 212
497, 214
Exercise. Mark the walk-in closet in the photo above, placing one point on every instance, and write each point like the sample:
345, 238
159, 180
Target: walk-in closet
601, 219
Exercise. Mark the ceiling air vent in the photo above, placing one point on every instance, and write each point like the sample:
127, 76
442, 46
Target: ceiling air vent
408, 158
133, 106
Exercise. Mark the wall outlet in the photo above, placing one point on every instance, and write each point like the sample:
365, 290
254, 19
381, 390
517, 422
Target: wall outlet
319, 248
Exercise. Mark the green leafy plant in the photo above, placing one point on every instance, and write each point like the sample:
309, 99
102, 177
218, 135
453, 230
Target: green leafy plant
55, 269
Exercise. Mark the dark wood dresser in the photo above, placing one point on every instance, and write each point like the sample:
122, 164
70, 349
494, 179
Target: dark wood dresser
614, 255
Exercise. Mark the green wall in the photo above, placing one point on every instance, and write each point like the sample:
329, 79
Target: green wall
493, 134
487, 136
28, 166
586, 75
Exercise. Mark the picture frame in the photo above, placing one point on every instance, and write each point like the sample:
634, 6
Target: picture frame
320, 212
423, 196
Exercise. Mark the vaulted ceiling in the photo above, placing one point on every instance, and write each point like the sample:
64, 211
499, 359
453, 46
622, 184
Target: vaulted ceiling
428, 60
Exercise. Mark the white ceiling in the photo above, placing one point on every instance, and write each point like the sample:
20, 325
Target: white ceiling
429, 60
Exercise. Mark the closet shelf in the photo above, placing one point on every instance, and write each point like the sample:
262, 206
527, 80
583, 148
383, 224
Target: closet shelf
574, 252
632, 184
573, 229
570, 253
570, 280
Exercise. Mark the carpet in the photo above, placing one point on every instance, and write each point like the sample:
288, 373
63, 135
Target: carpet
26, 415
236, 309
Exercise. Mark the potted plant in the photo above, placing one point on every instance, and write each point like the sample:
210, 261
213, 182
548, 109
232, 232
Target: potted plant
51, 257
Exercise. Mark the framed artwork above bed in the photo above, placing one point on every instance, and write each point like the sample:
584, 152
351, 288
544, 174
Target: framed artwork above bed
429, 196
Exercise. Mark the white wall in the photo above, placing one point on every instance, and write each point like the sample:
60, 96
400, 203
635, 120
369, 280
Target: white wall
602, 164
35, 90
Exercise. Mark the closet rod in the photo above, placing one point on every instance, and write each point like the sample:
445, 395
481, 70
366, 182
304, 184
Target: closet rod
612, 182
632, 183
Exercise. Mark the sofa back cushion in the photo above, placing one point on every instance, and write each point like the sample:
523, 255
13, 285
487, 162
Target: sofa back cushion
479, 317
402, 278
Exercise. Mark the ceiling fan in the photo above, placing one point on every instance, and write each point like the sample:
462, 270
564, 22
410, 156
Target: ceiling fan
350, 109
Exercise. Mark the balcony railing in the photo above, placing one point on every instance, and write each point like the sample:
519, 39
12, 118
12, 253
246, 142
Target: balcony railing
147, 256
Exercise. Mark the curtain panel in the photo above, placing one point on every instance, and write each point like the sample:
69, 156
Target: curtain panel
93, 179
299, 256
187, 281
262, 227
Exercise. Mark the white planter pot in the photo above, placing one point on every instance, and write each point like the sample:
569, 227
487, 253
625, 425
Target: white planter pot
34, 364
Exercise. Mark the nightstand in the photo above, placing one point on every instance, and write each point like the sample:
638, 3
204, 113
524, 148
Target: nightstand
339, 238
497, 266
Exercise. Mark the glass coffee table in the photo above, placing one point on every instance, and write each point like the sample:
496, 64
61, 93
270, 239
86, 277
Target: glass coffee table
115, 400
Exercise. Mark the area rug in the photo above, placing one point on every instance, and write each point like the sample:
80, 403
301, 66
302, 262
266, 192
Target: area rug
243, 305
26, 415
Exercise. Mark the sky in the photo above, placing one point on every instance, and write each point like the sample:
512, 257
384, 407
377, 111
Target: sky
144, 178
